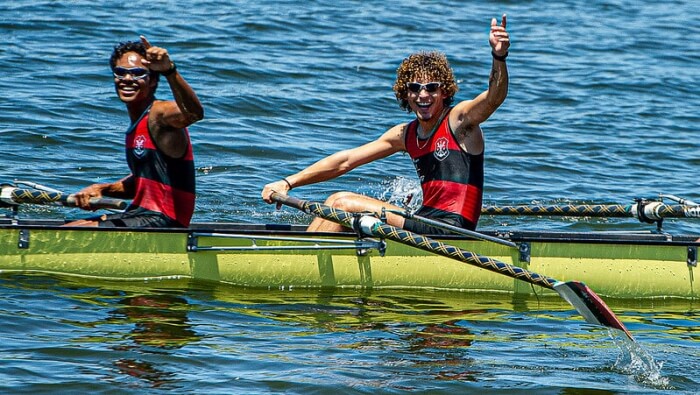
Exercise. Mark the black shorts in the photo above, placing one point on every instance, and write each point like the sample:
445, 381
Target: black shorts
138, 218
416, 226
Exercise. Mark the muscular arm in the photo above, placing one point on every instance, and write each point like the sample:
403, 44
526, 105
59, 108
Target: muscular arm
168, 118
186, 109
341, 162
467, 115
122, 189
486, 103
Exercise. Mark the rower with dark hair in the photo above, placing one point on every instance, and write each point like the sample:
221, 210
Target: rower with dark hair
158, 146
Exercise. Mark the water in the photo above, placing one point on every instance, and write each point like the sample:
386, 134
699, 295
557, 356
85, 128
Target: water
602, 108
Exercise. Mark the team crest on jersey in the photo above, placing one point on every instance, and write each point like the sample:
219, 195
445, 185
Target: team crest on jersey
441, 149
139, 146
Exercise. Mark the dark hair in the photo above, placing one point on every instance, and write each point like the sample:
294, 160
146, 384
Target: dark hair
132, 46
433, 65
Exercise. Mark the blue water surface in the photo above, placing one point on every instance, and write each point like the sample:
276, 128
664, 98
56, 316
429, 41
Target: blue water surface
602, 108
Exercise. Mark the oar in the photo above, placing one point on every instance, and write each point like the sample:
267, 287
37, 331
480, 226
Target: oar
34, 185
582, 298
454, 229
678, 200
643, 210
12, 196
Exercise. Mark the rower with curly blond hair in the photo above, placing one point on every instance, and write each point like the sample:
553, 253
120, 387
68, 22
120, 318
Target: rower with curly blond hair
445, 143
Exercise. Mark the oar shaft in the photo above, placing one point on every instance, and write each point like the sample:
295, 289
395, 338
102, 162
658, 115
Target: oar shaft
379, 229
437, 247
29, 196
456, 229
650, 210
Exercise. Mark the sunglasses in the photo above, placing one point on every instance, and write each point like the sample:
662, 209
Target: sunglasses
136, 73
430, 87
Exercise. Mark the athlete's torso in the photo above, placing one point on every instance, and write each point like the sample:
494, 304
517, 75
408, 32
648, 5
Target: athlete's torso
452, 180
163, 184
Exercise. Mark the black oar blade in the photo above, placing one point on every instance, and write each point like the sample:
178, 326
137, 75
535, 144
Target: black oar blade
589, 305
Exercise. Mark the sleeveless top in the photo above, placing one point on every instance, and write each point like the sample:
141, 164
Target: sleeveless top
163, 184
452, 180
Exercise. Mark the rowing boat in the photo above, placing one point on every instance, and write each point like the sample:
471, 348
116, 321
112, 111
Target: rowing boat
615, 264
634, 265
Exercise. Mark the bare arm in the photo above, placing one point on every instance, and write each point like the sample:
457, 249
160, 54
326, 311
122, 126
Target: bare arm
341, 162
124, 189
467, 115
187, 108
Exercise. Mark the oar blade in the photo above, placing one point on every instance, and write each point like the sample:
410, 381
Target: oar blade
589, 305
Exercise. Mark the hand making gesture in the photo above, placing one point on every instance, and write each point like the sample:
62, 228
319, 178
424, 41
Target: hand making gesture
498, 37
157, 58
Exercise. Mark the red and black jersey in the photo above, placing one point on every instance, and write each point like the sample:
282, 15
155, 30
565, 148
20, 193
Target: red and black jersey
163, 184
452, 180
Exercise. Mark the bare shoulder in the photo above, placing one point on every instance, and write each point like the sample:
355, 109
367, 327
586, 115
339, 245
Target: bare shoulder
168, 115
461, 111
464, 105
170, 137
466, 128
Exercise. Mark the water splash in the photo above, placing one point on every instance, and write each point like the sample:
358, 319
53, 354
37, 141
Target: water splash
402, 191
634, 360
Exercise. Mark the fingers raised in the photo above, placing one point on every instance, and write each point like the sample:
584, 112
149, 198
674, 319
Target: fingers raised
145, 42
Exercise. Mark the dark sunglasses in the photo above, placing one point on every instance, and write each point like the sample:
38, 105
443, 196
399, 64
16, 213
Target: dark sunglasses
430, 87
136, 73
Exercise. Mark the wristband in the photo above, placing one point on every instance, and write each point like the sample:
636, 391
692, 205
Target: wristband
171, 70
288, 184
498, 57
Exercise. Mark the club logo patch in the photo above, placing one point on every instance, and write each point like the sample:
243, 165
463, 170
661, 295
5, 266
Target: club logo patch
441, 151
139, 146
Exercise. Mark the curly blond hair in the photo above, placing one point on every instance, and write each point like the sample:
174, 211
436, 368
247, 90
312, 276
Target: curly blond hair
425, 64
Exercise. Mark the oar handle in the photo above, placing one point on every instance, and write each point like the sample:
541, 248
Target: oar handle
290, 201
99, 203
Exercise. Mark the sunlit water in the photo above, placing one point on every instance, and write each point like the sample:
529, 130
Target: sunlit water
63, 333
602, 108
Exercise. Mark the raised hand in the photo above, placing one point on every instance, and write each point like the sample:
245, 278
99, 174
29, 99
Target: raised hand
157, 58
498, 37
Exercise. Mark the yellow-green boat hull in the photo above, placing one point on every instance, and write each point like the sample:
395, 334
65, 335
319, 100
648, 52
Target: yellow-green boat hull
257, 257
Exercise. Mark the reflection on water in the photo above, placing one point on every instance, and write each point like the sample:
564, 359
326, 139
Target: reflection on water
160, 324
390, 338
145, 371
159, 320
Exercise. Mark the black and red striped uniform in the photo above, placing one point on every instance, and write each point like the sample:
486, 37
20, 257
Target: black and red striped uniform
163, 184
452, 180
